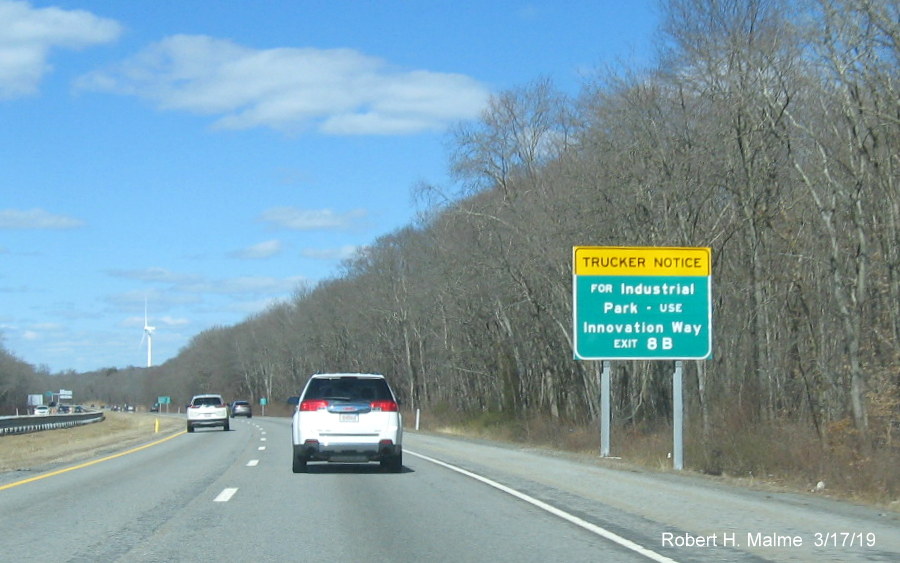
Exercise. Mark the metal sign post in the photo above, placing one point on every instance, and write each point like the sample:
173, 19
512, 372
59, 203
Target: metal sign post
604, 409
678, 417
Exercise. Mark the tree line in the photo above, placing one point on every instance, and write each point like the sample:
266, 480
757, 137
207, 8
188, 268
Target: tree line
768, 130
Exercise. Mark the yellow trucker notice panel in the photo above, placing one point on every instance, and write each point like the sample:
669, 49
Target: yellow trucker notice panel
640, 261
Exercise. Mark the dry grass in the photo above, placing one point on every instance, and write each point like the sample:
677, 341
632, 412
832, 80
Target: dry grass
783, 456
117, 431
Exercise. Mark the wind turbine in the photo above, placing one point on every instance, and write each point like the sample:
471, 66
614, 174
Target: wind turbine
148, 334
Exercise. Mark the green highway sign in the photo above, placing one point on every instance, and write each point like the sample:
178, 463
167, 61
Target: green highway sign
641, 303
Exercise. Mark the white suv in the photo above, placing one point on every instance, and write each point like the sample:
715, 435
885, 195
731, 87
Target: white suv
347, 417
207, 410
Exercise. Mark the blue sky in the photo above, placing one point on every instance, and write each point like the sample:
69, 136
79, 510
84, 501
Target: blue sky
211, 157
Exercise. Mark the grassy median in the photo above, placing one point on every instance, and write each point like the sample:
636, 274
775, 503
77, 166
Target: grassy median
23, 452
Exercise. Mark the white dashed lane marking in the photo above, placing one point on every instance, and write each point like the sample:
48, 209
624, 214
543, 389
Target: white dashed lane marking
253, 463
226, 495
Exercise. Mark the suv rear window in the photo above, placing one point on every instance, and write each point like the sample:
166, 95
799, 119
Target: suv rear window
348, 389
214, 401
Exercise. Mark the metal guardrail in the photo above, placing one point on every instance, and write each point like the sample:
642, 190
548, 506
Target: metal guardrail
25, 424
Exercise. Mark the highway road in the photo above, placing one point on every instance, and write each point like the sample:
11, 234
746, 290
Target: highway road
214, 495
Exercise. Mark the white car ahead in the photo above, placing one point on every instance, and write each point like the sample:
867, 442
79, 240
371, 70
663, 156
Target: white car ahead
207, 410
347, 417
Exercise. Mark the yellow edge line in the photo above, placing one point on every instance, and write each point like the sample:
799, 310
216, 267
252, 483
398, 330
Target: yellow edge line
89, 463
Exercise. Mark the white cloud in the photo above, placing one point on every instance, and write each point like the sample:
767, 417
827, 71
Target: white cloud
156, 300
340, 253
311, 219
152, 275
254, 306
337, 91
28, 34
247, 285
43, 331
259, 251
373, 124
35, 218
156, 322
173, 321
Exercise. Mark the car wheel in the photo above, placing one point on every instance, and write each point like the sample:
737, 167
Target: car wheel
299, 461
393, 463
189, 427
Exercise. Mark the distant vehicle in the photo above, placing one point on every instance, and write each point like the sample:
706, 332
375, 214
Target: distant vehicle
79, 409
207, 410
155, 407
62, 409
347, 417
41, 410
241, 408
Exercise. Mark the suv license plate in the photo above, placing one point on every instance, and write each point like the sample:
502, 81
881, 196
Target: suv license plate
349, 417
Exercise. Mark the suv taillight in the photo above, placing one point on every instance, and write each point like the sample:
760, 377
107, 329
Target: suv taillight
384, 406
313, 405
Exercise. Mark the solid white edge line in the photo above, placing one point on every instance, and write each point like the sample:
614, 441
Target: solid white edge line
602, 532
226, 495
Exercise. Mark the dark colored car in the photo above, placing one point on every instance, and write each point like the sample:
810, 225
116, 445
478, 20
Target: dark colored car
241, 408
